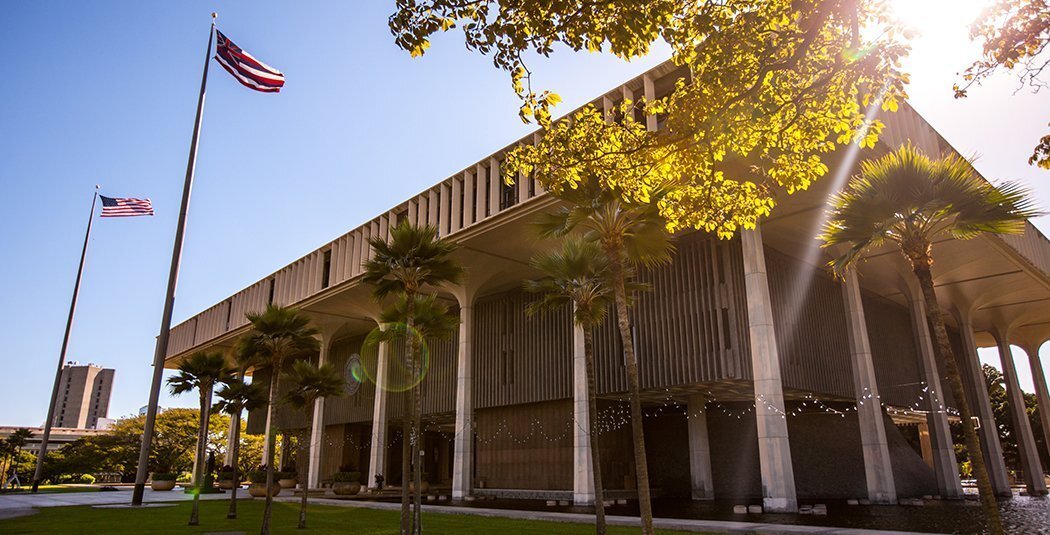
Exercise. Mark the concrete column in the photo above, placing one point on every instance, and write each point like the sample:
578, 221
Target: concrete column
925, 444
457, 204
582, 474
377, 453
539, 186
412, 211
1029, 456
228, 460
1042, 397
945, 466
313, 470
774, 449
878, 471
433, 209
286, 446
469, 203
703, 483
463, 454
444, 209
981, 407
494, 186
649, 91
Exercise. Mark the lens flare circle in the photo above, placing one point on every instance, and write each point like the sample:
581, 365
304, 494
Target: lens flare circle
401, 373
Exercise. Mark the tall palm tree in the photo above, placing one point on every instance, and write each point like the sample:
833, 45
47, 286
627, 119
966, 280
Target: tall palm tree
630, 234
235, 397
7, 450
200, 372
414, 259
577, 274
306, 384
907, 200
278, 335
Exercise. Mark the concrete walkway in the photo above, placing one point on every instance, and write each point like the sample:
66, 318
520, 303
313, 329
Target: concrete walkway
708, 526
12, 505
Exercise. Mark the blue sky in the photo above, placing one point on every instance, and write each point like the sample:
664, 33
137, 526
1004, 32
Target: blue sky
104, 92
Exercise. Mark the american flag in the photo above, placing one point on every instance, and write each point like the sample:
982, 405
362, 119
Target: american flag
249, 71
117, 207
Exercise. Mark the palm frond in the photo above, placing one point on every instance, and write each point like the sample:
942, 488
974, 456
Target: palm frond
907, 198
308, 383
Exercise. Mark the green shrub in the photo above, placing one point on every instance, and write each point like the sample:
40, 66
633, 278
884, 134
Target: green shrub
165, 476
86, 479
259, 476
342, 477
284, 475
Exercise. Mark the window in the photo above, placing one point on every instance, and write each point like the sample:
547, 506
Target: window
269, 299
229, 313
326, 273
400, 218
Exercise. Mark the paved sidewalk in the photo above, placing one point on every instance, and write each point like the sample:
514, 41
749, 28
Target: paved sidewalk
12, 505
709, 526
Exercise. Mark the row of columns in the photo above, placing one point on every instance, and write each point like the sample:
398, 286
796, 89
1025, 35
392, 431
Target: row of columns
777, 474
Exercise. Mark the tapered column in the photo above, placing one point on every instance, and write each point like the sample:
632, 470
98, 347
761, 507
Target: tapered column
313, 473
878, 471
1042, 397
981, 407
463, 456
377, 453
700, 476
230, 433
494, 186
774, 449
945, 466
582, 473
1029, 456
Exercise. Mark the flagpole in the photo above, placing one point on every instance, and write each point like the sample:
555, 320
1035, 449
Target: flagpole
169, 300
62, 353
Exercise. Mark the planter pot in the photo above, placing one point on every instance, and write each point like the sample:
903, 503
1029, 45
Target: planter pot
346, 488
162, 485
423, 488
225, 484
258, 490
286, 483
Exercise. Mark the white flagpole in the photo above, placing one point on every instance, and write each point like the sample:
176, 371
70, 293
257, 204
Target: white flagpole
62, 353
169, 301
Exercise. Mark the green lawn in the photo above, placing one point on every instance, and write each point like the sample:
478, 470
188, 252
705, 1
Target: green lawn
320, 519
52, 489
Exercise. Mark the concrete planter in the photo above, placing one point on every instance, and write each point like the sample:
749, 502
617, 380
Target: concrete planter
162, 485
258, 490
287, 483
225, 484
346, 488
424, 487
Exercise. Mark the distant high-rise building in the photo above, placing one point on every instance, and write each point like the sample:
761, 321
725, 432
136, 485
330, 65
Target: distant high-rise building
83, 395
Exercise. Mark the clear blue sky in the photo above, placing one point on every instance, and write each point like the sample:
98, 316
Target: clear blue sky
104, 92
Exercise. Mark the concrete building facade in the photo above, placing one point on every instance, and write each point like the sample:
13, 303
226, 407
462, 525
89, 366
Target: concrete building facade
83, 396
763, 377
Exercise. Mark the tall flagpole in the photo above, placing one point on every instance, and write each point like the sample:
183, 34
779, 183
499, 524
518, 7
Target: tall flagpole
62, 354
169, 300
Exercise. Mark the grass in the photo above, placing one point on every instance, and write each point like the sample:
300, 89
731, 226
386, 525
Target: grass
52, 489
320, 519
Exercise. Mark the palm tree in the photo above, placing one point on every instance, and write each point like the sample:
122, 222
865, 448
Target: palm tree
907, 200
7, 450
308, 383
578, 275
14, 444
278, 334
630, 233
200, 372
414, 258
236, 396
